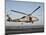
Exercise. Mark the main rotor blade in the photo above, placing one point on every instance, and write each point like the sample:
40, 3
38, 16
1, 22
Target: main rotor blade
18, 12
34, 10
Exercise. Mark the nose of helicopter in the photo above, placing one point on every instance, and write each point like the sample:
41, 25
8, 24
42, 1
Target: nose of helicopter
35, 19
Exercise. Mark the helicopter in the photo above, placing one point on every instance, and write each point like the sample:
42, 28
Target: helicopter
28, 18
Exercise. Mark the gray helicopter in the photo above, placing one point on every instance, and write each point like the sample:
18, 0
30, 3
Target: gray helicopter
28, 18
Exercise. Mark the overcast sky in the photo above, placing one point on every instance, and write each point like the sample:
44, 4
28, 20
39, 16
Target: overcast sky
25, 7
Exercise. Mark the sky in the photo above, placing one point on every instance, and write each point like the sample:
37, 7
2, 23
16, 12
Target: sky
25, 7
